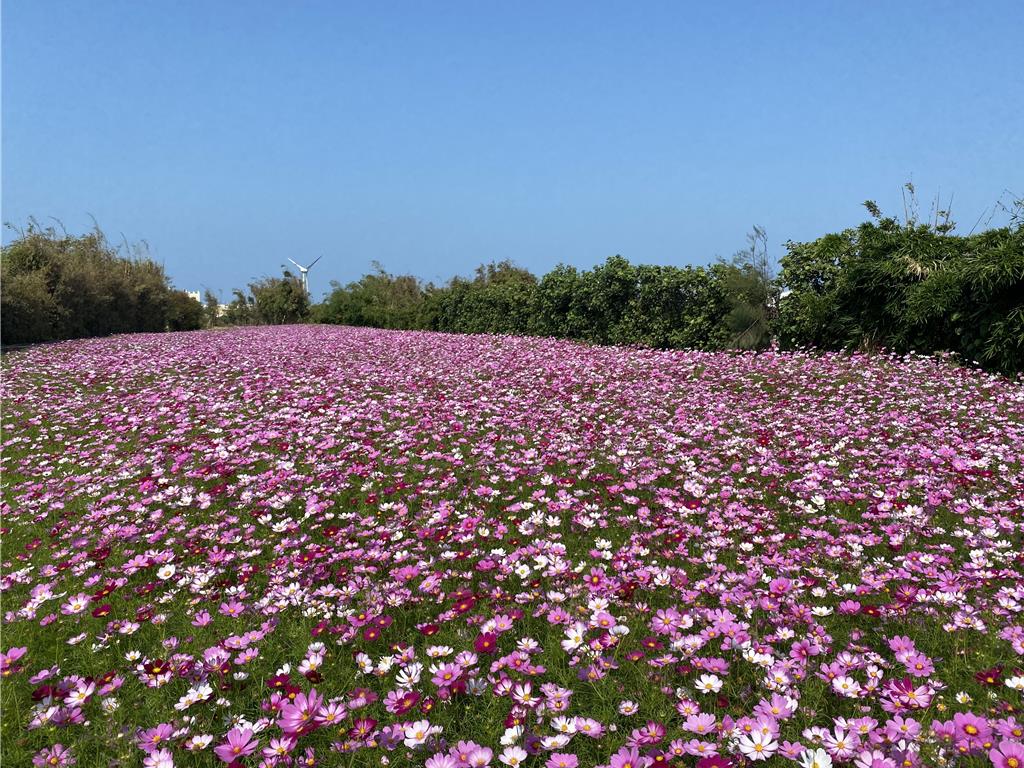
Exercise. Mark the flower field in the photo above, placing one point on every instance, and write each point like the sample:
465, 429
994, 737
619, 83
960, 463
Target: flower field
302, 546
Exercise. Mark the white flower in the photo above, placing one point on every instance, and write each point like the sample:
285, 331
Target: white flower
758, 745
513, 756
511, 735
819, 758
418, 732
1016, 683
409, 676
166, 572
709, 684
564, 725
846, 686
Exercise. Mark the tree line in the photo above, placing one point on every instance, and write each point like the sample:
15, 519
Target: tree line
901, 285
59, 286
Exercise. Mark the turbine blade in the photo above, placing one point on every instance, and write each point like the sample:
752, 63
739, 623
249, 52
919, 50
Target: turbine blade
293, 261
315, 261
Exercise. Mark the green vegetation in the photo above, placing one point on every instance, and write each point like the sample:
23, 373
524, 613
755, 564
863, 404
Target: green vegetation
905, 286
58, 286
909, 286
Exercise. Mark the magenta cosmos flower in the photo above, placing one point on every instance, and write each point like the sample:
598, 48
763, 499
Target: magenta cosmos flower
240, 743
1009, 754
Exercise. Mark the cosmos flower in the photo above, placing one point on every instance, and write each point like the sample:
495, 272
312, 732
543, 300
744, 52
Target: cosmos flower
358, 533
239, 743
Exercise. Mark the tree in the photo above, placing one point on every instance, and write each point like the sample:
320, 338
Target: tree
183, 312
909, 286
279, 300
749, 285
61, 286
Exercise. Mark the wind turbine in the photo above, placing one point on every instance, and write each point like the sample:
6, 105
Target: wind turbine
304, 272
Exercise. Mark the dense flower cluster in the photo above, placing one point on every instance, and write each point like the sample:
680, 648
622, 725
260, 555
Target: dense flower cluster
266, 547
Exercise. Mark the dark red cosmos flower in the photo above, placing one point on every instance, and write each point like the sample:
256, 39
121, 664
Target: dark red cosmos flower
408, 700
486, 642
466, 604
155, 667
42, 692
715, 762
992, 677
427, 705
652, 643
107, 589
278, 681
383, 621
635, 655
371, 633
102, 610
513, 720
429, 629
362, 728
871, 610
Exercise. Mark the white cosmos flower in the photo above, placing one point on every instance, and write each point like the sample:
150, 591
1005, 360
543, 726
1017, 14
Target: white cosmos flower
758, 745
409, 676
709, 684
1016, 683
846, 686
418, 732
818, 758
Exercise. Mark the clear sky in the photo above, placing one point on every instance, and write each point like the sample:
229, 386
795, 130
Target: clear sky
431, 136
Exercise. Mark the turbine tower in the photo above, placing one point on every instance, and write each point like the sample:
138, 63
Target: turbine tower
304, 272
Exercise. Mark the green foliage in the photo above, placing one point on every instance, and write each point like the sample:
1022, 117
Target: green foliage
279, 300
499, 299
909, 287
752, 294
183, 312
614, 303
377, 300
59, 286
906, 286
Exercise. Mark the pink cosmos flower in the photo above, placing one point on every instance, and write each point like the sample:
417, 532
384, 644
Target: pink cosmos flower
240, 743
298, 717
1009, 754
561, 760
8, 661
57, 756
232, 608
154, 738
160, 758
441, 760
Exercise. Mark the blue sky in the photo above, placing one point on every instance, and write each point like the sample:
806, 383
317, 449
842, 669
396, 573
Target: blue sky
433, 136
